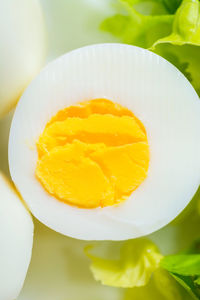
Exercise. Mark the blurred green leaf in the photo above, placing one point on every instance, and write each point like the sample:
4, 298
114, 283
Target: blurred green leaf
188, 284
136, 28
161, 286
157, 6
173, 34
185, 268
187, 265
182, 46
138, 259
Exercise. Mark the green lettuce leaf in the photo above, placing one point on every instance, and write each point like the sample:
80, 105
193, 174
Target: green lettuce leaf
173, 34
137, 261
197, 281
183, 264
186, 25
136, 28
182, 46
185, 268
155, 7
188, 284
171, 5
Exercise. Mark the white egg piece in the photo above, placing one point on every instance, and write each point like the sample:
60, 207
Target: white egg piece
22, 50
158, 95
16, 239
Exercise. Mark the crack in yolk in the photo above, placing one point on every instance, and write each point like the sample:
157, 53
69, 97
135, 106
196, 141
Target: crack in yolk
93, 154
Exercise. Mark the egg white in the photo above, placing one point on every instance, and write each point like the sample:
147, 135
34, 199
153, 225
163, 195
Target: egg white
22, 49
157, 93
16, 239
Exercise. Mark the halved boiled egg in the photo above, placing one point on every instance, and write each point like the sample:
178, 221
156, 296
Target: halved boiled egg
22, 49
104, 143
16, 239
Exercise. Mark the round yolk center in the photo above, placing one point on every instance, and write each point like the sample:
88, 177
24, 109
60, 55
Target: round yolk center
92, 154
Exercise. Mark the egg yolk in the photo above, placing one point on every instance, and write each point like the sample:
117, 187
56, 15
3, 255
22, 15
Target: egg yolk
93, 154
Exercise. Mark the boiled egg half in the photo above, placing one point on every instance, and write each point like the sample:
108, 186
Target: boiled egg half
16, 239
104, 143
22, 49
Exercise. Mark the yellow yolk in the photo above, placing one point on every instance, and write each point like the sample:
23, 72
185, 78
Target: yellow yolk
93, 154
